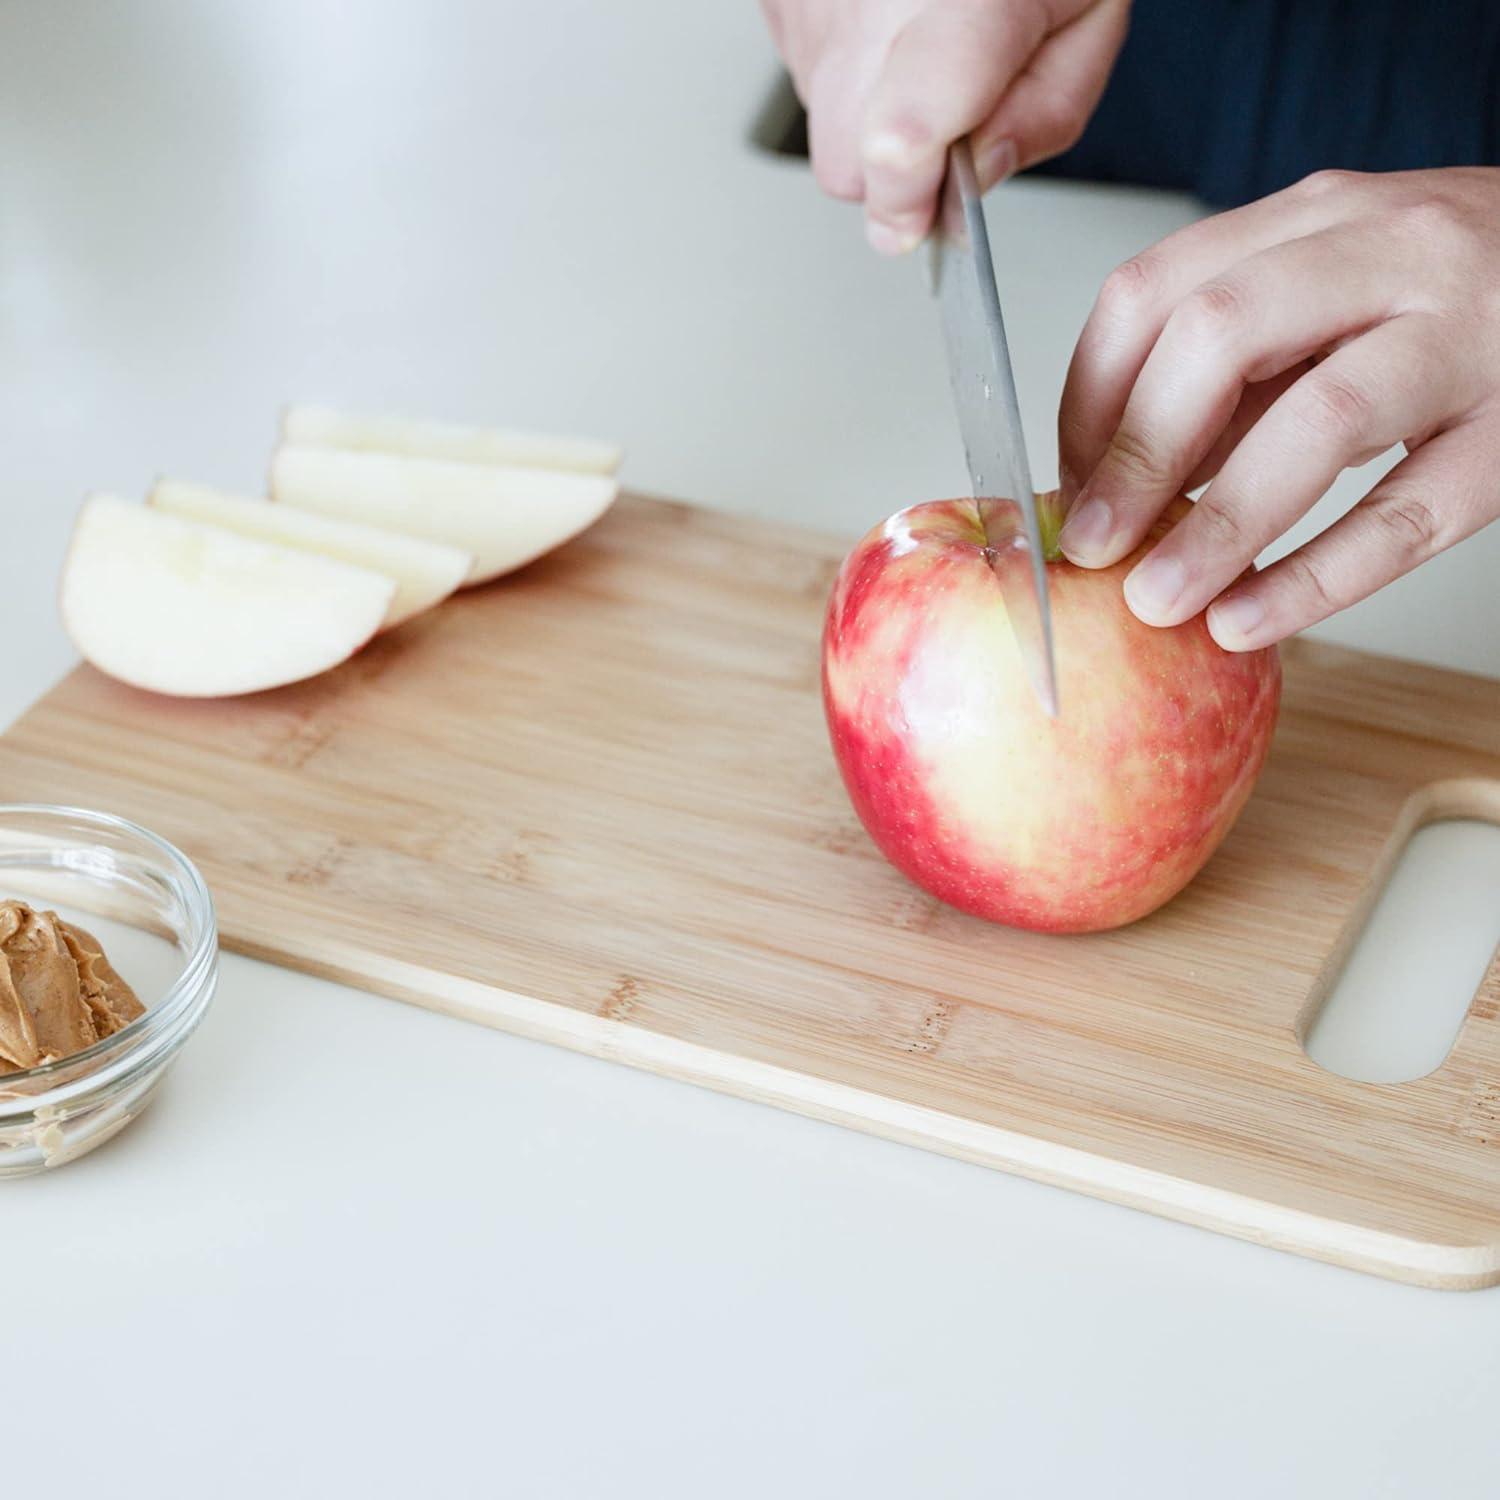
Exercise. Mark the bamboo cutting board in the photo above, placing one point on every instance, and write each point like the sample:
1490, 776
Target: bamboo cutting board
594, 804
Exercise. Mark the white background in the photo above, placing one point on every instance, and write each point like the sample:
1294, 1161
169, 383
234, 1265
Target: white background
356, 1248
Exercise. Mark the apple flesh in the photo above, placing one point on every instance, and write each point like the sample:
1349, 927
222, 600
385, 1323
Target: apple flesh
1074, 824
505, 517
199, 612
321, 427
425, 572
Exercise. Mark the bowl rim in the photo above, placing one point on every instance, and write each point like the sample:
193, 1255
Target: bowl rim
164, 1025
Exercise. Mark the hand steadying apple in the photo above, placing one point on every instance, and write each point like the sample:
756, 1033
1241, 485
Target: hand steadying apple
1264, 350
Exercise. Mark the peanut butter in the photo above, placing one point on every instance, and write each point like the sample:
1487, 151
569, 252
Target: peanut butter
58, 992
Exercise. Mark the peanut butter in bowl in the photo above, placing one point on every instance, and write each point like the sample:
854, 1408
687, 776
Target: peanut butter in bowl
83, 1049
58, 992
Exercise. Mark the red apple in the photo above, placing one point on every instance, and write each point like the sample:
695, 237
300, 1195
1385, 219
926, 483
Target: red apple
1073, 824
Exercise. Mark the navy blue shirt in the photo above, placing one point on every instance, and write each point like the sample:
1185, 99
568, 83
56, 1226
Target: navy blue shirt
1232, 99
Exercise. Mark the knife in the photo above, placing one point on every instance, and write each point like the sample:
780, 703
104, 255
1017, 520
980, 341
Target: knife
989, 416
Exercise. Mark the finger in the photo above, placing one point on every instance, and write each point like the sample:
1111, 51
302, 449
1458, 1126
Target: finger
1442, 493
1138, 297
1255, 320
1394, 381
1045, 110
1257, 400
835, 94
943, 75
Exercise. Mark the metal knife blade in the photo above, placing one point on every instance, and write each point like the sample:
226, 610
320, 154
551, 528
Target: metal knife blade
989, 416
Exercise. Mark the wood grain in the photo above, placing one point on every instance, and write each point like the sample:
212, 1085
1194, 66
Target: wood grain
594, 804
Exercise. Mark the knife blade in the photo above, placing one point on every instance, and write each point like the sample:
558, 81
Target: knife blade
989, 416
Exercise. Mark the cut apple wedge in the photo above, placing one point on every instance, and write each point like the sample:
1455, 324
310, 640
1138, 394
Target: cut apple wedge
200, 612
506, 517
425, 572
320, 427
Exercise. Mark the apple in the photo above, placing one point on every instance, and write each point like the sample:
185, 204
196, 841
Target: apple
505, 516
320, 427
200, 612
425, 572
1074, 824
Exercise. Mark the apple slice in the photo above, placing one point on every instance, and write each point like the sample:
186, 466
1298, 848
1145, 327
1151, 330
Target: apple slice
319, 427
505, 516
425, 572
199, 612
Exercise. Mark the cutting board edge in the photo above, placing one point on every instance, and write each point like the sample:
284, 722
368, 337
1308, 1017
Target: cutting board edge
1429, 1264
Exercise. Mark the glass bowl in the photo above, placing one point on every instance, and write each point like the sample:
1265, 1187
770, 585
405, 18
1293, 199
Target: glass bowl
147, 904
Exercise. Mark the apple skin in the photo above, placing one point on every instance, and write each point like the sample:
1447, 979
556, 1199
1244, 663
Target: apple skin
1075, 824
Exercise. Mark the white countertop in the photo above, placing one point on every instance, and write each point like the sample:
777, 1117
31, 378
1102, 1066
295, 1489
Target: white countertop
359, 1249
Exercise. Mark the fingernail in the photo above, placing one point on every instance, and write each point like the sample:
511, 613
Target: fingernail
1233, 621
1085, 534
889, 239
1000, 163
1153, 587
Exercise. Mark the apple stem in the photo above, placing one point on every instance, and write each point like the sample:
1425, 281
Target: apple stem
1050, 514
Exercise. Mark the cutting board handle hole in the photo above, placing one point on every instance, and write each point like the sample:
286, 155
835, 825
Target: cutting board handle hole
1423, 947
